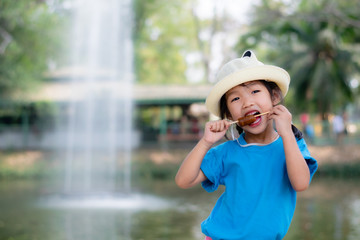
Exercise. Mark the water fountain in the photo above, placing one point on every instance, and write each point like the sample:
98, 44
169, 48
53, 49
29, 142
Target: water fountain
99, 123
99, 132
97, 198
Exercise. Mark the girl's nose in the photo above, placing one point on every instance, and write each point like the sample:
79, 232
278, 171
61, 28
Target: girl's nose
247, 102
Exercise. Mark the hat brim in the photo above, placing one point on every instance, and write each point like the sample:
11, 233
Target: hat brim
265, 72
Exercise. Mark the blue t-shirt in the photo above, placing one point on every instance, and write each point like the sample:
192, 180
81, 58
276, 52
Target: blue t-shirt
259, 201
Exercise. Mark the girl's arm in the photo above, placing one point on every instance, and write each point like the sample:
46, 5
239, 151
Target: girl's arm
297, 168
189, 173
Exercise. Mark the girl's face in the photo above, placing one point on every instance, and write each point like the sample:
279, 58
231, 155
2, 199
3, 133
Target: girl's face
250, 98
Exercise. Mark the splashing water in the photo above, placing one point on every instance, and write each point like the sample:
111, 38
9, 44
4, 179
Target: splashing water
98, 144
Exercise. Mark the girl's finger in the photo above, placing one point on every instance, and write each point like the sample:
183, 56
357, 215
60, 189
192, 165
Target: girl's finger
220, 126
277, 109
214, 126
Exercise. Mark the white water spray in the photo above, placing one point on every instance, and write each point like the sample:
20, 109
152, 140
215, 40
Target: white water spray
98, 145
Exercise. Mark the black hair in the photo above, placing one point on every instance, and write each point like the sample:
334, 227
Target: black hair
273, 89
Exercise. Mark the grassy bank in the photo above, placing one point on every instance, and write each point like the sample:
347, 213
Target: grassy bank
22, 165
336, 170
147, 164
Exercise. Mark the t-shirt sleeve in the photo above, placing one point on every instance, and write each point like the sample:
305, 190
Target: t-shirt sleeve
311, 162
212, 168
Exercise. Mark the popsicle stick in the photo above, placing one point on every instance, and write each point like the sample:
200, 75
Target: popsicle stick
260, 114
257, 115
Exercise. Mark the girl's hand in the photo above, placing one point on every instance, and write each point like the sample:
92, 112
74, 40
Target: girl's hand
215, 130
282, 118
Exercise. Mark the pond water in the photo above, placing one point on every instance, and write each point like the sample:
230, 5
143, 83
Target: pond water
329, 209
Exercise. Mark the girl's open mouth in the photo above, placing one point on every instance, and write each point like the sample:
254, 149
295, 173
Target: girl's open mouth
257, 121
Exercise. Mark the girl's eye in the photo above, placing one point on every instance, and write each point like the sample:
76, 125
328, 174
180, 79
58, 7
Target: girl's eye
235, 99
255, 91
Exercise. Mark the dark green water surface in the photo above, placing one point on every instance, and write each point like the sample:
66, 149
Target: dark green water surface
329, 209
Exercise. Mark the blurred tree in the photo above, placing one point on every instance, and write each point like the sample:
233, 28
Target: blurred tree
214, 36
29, 42
162, 36
173, 42
316, 42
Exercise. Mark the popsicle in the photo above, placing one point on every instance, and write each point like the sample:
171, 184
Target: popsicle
249, 119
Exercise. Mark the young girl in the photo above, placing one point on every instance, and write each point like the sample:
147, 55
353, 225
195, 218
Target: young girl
263, 168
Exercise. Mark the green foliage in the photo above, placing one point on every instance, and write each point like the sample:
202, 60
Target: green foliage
316, 43
173, 41
164, 33
29, 39
39, 114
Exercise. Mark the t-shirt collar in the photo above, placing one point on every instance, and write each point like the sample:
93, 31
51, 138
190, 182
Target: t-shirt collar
242, 143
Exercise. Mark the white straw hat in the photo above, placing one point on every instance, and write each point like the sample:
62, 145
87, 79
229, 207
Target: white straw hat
241, 70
